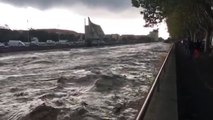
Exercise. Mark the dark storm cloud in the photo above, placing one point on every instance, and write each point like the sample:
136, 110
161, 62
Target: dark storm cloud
111, 5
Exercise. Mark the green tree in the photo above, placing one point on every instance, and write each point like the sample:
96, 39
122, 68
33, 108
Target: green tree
184, 18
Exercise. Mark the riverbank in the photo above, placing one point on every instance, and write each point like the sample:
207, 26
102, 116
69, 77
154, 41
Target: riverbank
7, 49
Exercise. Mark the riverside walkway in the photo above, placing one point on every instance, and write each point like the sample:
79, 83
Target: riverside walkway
162, 102
194, 85
163, 106
185, 89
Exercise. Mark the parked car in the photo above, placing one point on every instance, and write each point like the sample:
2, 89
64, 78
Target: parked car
16, 43
2, 45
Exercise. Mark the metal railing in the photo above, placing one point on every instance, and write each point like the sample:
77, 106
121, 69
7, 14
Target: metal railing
155, 85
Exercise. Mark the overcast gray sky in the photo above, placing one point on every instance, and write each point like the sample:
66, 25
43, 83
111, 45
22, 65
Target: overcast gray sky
111, 5
115, 16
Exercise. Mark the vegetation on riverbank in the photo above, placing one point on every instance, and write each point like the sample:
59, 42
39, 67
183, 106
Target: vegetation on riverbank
191, 19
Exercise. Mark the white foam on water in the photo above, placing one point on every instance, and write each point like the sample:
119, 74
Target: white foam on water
92, 83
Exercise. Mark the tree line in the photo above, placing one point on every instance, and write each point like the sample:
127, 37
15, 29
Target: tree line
191, 19
42, 35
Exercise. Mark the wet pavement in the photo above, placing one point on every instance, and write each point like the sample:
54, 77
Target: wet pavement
163, 104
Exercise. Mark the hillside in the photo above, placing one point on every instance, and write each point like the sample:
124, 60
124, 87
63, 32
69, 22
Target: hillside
60, 31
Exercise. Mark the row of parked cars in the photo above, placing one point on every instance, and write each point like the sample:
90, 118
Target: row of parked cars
18, 43
13, 43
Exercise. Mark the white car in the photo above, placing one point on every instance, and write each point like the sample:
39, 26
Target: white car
2, 44
16, 43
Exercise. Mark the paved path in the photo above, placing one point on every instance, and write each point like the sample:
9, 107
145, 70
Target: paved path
194, 83
164, 103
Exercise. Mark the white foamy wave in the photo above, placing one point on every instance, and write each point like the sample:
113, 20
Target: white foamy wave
79, 84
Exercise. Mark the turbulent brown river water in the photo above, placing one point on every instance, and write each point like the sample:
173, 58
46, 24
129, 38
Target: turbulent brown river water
106, 83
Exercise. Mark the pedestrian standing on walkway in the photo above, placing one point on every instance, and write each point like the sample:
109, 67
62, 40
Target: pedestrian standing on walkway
196, 53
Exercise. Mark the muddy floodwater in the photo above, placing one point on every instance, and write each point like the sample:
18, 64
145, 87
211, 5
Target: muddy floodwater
107, 83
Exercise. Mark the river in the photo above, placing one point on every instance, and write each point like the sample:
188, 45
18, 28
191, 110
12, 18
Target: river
107, 83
